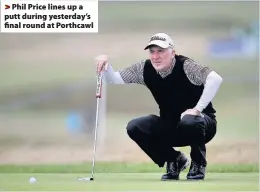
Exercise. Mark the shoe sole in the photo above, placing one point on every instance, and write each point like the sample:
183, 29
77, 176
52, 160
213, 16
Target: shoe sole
195, 179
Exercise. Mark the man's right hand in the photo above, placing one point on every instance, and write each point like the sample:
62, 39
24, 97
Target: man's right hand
102, 63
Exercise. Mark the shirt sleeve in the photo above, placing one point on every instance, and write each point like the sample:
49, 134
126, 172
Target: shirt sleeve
112, 76
133, 73
213, 82
200, 74
196, 73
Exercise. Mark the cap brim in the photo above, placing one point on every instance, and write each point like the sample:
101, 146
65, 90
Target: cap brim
157, 43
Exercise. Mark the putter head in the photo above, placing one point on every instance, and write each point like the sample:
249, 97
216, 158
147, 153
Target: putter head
86, 178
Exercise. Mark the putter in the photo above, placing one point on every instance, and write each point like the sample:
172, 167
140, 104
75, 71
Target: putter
98, 96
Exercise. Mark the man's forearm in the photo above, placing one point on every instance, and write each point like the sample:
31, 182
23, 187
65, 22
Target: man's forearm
211, 87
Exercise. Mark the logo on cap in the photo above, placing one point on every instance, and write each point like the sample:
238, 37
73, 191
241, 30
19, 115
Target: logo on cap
157, 38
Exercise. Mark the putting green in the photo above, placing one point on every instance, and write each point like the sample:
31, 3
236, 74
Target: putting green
129, 182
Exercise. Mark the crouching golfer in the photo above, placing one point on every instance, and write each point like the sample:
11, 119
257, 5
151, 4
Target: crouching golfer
183, 90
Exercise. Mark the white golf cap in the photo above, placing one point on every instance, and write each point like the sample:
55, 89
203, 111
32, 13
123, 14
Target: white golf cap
160, 39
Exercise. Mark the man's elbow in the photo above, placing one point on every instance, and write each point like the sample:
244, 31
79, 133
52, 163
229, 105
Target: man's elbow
214, 77
218, 79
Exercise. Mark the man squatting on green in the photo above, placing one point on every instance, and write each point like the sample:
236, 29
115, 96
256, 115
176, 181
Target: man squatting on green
183, 90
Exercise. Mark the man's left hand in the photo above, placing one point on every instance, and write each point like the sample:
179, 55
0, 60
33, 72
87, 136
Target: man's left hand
191, 112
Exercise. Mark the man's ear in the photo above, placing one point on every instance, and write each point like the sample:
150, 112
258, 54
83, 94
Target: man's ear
173, 53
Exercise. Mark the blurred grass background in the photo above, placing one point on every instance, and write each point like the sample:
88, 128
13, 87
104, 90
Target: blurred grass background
46, 76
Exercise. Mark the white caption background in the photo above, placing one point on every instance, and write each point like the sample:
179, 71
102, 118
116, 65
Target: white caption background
87, 21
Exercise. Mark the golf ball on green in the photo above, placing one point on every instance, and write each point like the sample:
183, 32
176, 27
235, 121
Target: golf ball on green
32, 180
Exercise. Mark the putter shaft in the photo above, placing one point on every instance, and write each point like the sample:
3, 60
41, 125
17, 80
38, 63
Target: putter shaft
98, 96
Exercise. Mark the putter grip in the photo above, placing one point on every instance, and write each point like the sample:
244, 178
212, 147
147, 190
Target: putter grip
99, 85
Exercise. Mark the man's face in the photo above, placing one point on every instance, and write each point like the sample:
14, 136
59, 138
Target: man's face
161, 58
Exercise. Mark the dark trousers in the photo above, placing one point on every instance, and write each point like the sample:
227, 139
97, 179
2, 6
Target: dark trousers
158, 140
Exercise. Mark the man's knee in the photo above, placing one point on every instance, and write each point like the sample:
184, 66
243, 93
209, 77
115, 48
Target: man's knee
145, 124
132, 128
193, 124
187, 121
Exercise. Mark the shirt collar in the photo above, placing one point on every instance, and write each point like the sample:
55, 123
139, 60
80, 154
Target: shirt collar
168, 71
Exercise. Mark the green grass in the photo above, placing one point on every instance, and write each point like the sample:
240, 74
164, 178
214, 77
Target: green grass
124, 176
118, 167
129, 182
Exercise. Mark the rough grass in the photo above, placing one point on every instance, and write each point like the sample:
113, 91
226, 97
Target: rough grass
44, 138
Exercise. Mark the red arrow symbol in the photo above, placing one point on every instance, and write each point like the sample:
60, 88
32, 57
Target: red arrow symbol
7, 6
